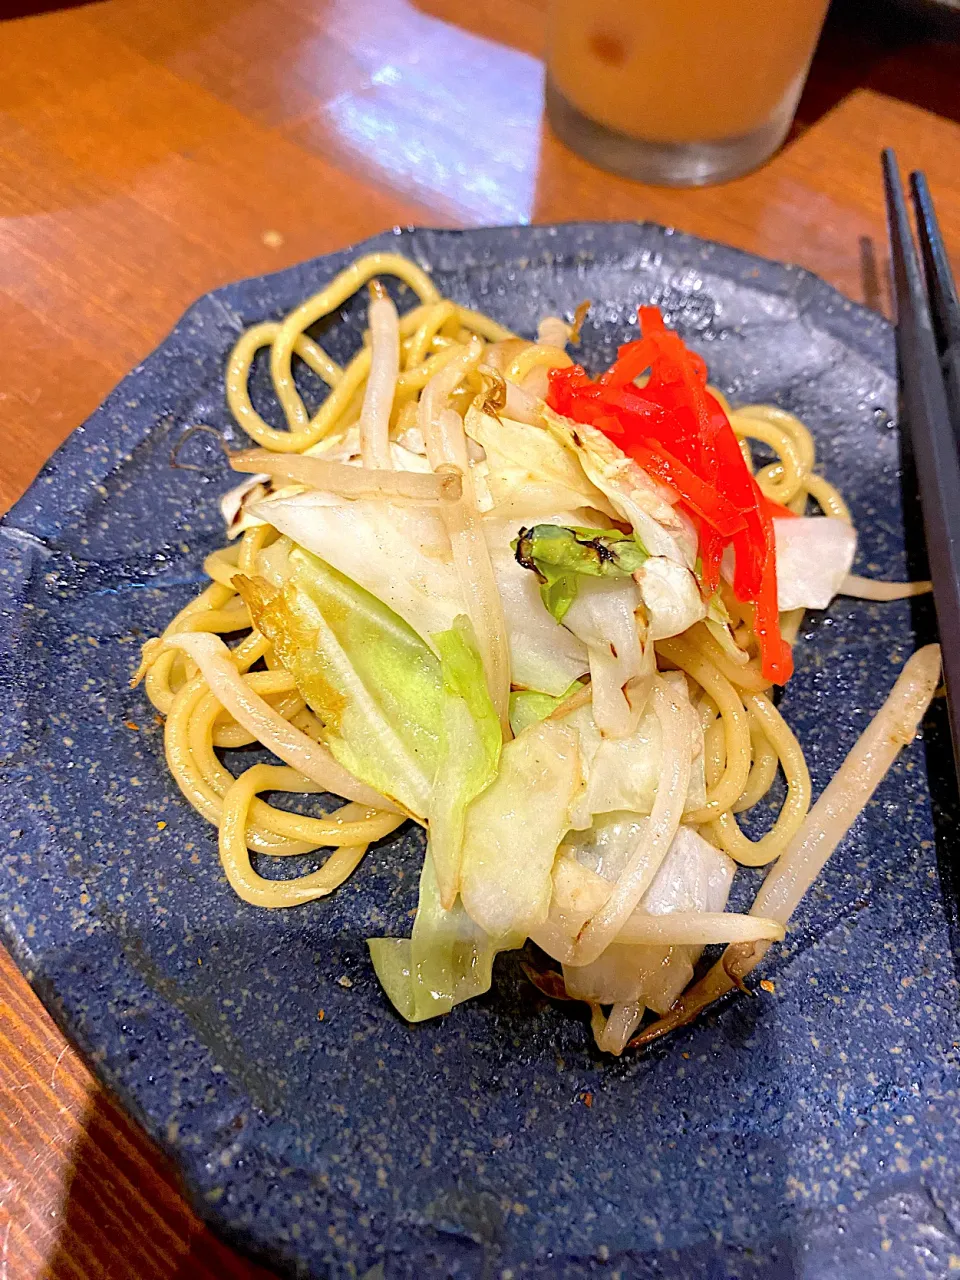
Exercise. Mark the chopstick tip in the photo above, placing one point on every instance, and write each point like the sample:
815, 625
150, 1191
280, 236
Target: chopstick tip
888, 163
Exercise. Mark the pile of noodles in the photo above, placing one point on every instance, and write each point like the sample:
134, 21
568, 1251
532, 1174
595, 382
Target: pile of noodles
422, 369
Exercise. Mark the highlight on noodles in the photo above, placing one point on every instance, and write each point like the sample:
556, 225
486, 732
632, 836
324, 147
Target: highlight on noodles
543, 615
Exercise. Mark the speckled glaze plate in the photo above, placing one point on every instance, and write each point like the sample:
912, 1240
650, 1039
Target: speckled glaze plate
808, 1132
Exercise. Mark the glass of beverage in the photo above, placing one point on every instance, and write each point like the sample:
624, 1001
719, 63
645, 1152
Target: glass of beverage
678, 92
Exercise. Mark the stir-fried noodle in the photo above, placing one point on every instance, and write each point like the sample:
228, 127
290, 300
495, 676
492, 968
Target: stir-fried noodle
621, 717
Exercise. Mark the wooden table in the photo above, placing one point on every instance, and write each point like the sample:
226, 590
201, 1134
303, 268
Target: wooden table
150, 152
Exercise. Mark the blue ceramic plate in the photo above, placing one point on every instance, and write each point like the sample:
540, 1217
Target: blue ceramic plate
811, 1131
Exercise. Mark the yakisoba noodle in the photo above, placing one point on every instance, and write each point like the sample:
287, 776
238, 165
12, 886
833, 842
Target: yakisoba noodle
214, 697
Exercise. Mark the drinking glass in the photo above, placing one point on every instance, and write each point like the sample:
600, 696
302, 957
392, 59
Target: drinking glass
678, 92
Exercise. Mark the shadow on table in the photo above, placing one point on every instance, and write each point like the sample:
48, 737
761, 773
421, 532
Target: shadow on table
907, 51
31, 8
123, 1216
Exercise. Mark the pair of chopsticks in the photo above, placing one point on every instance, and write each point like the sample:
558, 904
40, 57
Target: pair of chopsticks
928, 354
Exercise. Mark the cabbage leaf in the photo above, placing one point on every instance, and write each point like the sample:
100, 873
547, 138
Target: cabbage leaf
639, 499
419, 729
401, 555
527, 471
448, 958
514, 828
527, 708
814, 555
622, 774
606, 616
671, 597
694, 876
544, 655
374, 685
469, 750
398, 553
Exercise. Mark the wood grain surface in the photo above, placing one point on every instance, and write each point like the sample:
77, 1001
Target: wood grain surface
152, 151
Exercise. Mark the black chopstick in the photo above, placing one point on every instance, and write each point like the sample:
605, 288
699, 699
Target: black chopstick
944, 303
933, 436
